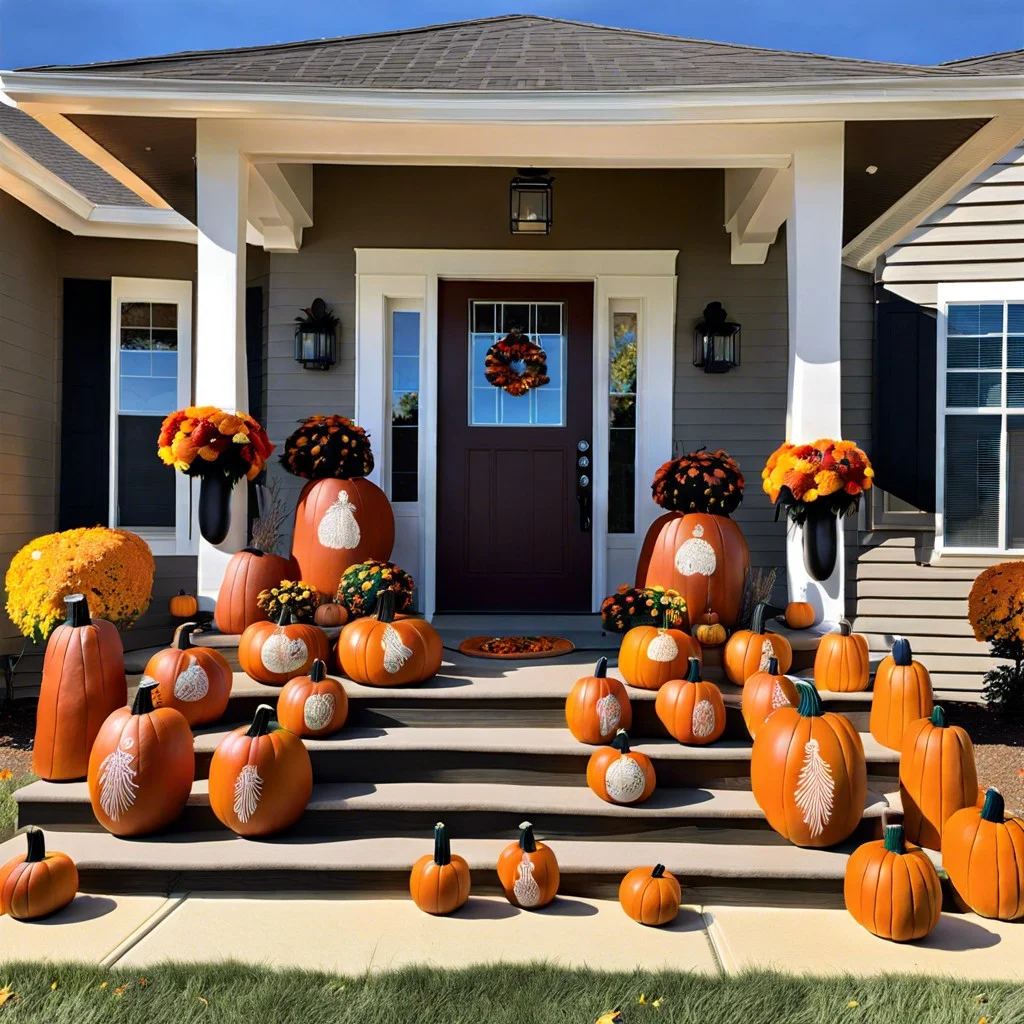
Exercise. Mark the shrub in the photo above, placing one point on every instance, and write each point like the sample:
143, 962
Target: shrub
995, 609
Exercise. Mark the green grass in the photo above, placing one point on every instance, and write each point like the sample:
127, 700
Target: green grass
234, 992
8, 807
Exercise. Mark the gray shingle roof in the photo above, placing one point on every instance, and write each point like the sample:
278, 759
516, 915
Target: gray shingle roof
1010, 62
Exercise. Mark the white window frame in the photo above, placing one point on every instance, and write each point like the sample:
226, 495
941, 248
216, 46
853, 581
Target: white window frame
1002, 292
182, 538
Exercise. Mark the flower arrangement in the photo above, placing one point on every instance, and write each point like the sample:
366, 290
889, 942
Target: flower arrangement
328, 446
642, 606
828, 475
205, 441
701, 481
361, 583
299, 597
114, 567
995, 609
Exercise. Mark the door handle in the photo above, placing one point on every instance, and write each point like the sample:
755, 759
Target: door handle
583, 499
583, 484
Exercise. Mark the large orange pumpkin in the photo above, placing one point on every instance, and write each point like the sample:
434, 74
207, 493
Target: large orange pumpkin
650, 895
528, 871
313, 705
764, 693
193, 680
597, 706
248, 572
388, 650
902, 694
650, 656
750, 650
808, 773
841, 664
83, 682
337, 524
983, 854
692, 710
938, 776
703, 556
261, 777
439, 883
37, 882
620, 775
274, 653
141, 767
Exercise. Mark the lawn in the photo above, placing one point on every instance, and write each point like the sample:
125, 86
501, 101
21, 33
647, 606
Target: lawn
232, 992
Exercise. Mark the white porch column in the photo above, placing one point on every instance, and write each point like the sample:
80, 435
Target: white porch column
813, 248
222, 183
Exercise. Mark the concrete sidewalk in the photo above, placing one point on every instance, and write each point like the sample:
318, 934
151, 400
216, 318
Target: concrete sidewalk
354, 935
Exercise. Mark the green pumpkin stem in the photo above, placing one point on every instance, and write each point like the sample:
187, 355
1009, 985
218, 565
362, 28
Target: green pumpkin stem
442, 845
318, 671
845, 627
183, 636
621, 741
385, 610
77, 610
994, 808
757, 619
143, 703
773, 666
659, 870
260, 721
601, 668
894, 839
284, 617
693, 671
939, 718
810, 703
902, 655
527, 841
36, 844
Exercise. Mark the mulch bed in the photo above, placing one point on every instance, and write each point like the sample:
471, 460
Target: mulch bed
17, 728
998, 747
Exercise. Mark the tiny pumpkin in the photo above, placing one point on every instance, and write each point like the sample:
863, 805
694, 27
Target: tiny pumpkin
764, 693
182, 605
439, 882
650, 895
709, 632
313, 705
902, 694
193, 680
37, 882
274, 653
650, 656
692, 710
620, 775
841, 664
799, 615
597, 706
528, 871
330, 614
749, 650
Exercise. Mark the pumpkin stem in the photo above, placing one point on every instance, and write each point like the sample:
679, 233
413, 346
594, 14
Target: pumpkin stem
994, 808
527, 841
845, 627
385, 610
773, 666
78, 610
757, 619
939, 717
260, 721
810, 703
143, 703
601, 668
621, 741
894, 839
318, 671
693, 672
254, 551
901, 652
442, 845
183, 636
659, 870
284, 618
36, 842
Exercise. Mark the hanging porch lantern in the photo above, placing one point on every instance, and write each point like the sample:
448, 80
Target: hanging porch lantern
316, 337
716, 341
530, 203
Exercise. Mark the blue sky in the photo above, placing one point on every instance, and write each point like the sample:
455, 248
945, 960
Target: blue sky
917, 31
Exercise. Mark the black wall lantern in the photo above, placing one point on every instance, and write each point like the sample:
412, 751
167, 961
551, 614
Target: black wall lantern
316, 337
530, 203
716, 341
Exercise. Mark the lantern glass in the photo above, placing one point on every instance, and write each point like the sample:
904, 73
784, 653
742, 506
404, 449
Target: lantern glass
717, 350
315, 348
530, 205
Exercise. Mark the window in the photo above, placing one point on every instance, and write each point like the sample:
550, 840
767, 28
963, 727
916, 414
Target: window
622, 423
405, 401
981, 401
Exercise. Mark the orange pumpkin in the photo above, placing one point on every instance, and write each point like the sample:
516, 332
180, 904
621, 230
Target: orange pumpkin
703, 556
182, 605
892, 888
749, 650
388, 650
983, 854
620, 775
808, 773
273, 654
248, 572
764, 693
693, 711
938, 776
902, 694
710, 633
83, 682
313, 705
799, 615
37, 883
337, 524
330, 614
841, 664
439, 883
193, 680
650, 656
597, 706
141, 767
650, 895
528, 871
260, 777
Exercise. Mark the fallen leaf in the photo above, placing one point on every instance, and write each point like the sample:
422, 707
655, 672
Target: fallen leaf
205, 1002
656, 1004
104, 984
143, 981
981, 998
642, 1000
53, 987
983, 1020
6, 993
852, 1004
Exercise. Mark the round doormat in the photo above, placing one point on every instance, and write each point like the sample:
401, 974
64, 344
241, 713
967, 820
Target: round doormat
515, 648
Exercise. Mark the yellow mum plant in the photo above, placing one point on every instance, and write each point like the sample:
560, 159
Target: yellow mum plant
299, 597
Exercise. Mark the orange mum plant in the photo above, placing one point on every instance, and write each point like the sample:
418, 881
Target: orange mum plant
995, 609
204, 440
828, 475
642, 606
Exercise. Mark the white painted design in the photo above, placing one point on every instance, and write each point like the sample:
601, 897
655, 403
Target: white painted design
248, 790
624, 780
767, 653
815, 789
338, 529
281, 653
192, 683
779, 698
396, 654
662, 648
703, 722
318, 710
695, 556
117, 783
127, 743
525, 888
609, 714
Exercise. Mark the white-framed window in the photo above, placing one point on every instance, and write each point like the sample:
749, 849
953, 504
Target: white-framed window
404, 341
980, 396
623, 352
150, 376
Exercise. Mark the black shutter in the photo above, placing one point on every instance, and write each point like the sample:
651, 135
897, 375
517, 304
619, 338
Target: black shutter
85, 405
904, 417
254, 368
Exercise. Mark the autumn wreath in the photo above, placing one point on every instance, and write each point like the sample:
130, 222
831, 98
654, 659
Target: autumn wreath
515, 364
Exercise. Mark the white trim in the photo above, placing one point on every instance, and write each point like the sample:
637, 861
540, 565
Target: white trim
647, 276
179, 540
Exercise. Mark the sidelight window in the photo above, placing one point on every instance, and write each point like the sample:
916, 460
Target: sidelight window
622, 395
405, 403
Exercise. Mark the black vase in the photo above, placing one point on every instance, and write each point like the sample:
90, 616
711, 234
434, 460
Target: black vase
821, 544
215, 507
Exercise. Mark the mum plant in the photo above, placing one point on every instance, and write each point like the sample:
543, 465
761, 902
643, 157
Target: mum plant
300, 598
995, 609
360, 584
642, 606
328, 446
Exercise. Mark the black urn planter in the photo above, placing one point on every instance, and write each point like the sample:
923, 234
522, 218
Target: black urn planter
821, 543
215, 507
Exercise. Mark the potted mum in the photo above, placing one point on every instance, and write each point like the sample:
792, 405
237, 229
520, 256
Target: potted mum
995, 608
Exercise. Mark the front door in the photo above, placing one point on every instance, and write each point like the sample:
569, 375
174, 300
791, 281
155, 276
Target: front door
514, 469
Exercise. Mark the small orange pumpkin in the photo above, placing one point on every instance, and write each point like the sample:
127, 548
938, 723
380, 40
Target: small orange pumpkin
709, 632
439, 883
182, 605
313, 705
799, 615
597, 706
692, 710
273, 654
528, 871
650, 656
330, 614
749, 650
193, 680
841, 664
620, 775
37, 883
650, 895
902, 694
764, 693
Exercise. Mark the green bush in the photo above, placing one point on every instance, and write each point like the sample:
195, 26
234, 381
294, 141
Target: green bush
8, 805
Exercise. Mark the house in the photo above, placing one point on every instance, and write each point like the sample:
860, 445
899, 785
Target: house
193, 203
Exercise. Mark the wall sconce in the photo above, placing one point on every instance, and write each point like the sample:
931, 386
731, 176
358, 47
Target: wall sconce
530, 203
716, 341
316, 337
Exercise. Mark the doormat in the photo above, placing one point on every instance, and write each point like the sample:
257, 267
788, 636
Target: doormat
515, 648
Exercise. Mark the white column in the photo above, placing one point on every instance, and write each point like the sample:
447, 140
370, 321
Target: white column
813, 250
222, 184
